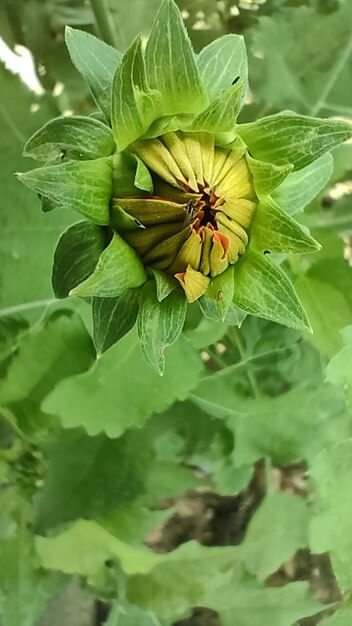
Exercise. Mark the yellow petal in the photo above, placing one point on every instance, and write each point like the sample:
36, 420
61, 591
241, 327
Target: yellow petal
178, 150
193, 283
158, 158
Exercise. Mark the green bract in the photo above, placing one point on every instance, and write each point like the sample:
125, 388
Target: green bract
183, 201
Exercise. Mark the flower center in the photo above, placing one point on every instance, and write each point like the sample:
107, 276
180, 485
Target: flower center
197, 220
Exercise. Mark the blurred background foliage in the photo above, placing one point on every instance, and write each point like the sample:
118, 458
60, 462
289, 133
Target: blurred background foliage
259, 391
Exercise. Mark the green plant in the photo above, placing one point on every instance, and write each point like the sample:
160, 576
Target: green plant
250, 422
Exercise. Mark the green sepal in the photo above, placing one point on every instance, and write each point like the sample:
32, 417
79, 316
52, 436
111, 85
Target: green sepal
164, 284
301, 187
263, 289
142, 179
129, 177
134, 104
74, 137
234, 316
84, 186
221, 115
76, 256
296, 139
119, 268
221, 290
170, 64
97, 63
222, 62
122, 221
275, 231
113, 318
267, 176
159, 324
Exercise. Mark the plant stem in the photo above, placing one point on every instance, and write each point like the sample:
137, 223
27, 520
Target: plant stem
10, 419
237, 341
104, 21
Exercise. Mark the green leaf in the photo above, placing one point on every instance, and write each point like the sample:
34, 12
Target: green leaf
143, 179
301, 187
267, 176
97, 62
28, 236
342, 617
130, 176
255, 606
263, 289
116, 377
84, 548
164, 284
285, 138
221, 115
221, 290
171, 68
76, 256
275, 231
113, 318
221, 62
134, 101
209, 308
331, 471
325, 283
74, 137
58, 348
159, 324
84, 186
276, 531
339, 370
78, 478
130, 615
119, 268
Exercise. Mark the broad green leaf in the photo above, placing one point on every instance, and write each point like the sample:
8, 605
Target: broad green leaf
184, 578
123, 387
342, 617
78, 481
301, 187
275, 231
221, 290
267, 176
159, 324
282, 43
339, 370
221, 114
253, 422
325, 295
331, 471
84, 548
221, 62
134, 102
276, 531
76, 256
28, 237
122, 614
285, 138
113, 318
171, 68
84, 186
73, 137
97, 62
164, 284
57, 348
263, 289
119, 268
254, 606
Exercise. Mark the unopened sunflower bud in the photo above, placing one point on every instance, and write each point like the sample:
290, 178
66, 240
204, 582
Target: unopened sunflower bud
176, 192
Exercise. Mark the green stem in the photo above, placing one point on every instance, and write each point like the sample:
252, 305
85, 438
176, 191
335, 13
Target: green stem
10, 419
104, 21
236, 338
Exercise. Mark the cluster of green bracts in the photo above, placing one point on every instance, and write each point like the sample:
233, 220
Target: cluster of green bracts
181, 203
